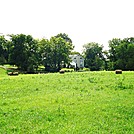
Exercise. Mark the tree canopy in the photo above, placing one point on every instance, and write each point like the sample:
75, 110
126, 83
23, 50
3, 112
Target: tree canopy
122, 53
55, 52
3, 42
24, 52
94, 58
28, 53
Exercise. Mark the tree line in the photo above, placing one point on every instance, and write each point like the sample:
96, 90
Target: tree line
119, 56
28, 53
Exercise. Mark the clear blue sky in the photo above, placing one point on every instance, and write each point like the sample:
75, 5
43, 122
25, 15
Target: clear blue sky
83, 20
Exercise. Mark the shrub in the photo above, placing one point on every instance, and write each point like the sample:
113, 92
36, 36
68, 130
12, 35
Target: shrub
86, 69
68, 69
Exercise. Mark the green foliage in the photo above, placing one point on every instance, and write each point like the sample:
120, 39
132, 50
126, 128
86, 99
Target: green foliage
94, 58
75, 53
65, 37
86, 69
68, 69
55, 53
28, 53
79, 102
122, 53
24, 52
2, 50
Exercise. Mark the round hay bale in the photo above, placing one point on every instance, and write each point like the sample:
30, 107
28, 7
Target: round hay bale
118, 71
15, 73
10, 73
61, 71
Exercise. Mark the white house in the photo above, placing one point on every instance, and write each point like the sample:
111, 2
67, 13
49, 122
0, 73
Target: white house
77, 61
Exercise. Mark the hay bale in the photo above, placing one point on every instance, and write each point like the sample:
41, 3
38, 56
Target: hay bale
13, 73
10, 73
61, 71
118, 71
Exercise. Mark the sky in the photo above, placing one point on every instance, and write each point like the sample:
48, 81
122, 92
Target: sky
84, 21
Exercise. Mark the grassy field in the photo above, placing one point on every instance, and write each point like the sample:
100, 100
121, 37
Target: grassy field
70, 103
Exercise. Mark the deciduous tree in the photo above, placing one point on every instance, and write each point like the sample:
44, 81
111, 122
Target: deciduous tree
55, 52
93, 54
3, 51
24, 52
122, 53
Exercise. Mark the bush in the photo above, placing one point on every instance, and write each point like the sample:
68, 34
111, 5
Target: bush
67, 69
86, 69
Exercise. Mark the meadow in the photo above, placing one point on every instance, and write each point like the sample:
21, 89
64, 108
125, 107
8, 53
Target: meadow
70, 103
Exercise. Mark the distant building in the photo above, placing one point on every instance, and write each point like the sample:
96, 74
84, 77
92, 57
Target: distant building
77, 61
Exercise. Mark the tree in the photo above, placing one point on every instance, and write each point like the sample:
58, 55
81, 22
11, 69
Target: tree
45, 50
55, 52
94, 58
61, 52
65, 37
75, 53
24, 52
113, 44
3, 52
122, 53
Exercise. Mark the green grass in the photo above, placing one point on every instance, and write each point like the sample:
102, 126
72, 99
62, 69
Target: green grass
3, 71
70, 103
